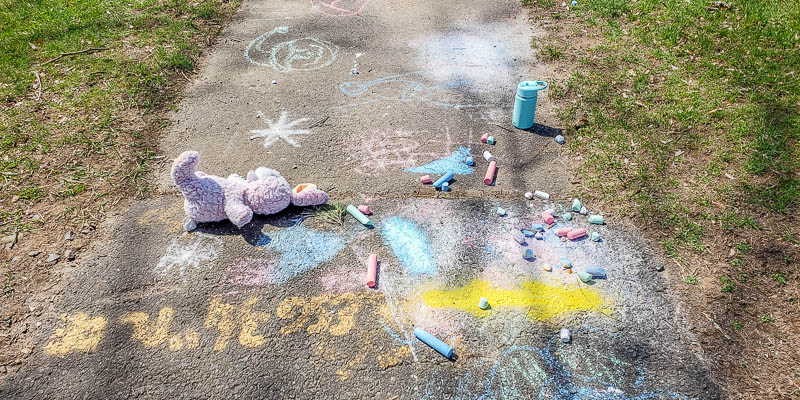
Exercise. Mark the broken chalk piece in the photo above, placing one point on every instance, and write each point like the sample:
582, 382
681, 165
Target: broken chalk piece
567, 216
551, 211
490, 140
528, 195
547, 268
488, 156
528, 254
560, 139
539, 236
542, 195
565, 335
469, 161
446, 187
483, 303
484, 137
562, 232
425, 179
527, 233
596, 272
596, 219
576, 205
537, 227
564, 263
576, 234
489, 177
520, 238
583, 211
595, 237
364, 209
548, 219
445, 178
358, 215
501, 211
584, 276
438, 345
372, 269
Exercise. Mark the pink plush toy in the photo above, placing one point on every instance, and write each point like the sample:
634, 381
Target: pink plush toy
211, 198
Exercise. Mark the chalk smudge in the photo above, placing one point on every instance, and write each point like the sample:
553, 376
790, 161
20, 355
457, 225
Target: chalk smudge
410, 245
454, 162
301, 250
304, 54
404, 88
398, 149
180, 256
340, 8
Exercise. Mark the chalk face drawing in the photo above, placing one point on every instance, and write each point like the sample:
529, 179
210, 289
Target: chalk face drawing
403, 88
398, 149
181, 256
304, 54
281, 129
340, 8
410, 245
301, 250
454, 162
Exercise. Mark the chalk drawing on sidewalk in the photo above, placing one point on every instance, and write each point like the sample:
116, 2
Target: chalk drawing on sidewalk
403, 88
340, 8
301, 250
303, 54
281, 129
410, 245
181, 256
454, 162
397, 149
81, 335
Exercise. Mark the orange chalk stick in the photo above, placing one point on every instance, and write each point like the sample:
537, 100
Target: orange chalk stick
372, 269
490, 173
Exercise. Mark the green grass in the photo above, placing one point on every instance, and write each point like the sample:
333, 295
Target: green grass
728, 285
687, 109
77, 128
332, 213
690, 279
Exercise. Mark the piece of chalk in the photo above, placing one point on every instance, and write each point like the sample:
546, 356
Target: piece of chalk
483, 303
576, 205
542, 195
489, 177
528, 233
364, 209
274, 82
446, 187
539, 236
564, 263
438, 345
583, 211
562, 232
501, 211
520, 238
584, 276
576, 234
358, 215
425, 179
560, 139
484, 137
596, 219
528, 254
372, 269
596, 272
537, 227
488, 156
565, 335
547, 267
490, 140
469, 161
595, 237
550, 211
567, 216
445, 178
548, 219
528, 195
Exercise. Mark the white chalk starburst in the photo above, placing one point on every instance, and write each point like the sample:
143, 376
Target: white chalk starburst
282, 129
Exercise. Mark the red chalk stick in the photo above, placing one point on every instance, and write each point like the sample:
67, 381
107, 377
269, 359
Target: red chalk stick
562, 231
548, 219
576, 234
364, 209
372, 269
490, 173
484, 137
425, 179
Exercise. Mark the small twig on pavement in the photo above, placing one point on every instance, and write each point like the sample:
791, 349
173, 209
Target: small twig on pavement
320, 122
84, 51
186, 77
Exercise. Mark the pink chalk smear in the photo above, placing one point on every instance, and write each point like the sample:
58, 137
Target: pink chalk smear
490, 173
372, 269
548, 219
364, 209
576, 234
425, 179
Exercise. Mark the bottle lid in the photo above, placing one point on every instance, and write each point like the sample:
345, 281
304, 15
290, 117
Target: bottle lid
530, 88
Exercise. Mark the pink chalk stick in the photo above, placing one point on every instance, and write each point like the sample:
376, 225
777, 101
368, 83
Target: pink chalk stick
484, 137
490, 173
364, 209
576, 234
372, 269
548, 219
425, 179
562, 231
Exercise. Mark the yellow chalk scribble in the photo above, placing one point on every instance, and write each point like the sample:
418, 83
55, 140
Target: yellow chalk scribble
250, 321
82, 334
542, 301
314, 310
151, 335
220, 315
393, 357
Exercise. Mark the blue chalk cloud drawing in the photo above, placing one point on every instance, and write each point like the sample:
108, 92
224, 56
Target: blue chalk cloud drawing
410, 245
301, 250
403, 88
454, 162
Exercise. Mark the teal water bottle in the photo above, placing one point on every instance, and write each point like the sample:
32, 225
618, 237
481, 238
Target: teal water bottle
525, 103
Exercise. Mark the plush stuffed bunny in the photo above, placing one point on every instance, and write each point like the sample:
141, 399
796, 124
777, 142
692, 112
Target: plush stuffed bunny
210, 198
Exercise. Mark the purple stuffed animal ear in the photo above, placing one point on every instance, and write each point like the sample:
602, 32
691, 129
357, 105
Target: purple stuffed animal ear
307, 194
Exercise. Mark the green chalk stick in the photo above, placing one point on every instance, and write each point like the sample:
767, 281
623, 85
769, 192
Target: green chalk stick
596, 219
358, 215
585, 276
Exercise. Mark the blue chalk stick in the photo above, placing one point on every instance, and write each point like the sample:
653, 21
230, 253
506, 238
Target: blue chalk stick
438, 345
596, 272
470, 161
527, 233
445, 178
528, 254
537, 227
445, 187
